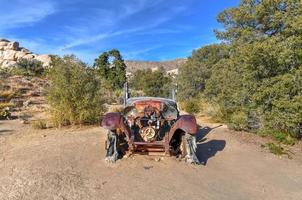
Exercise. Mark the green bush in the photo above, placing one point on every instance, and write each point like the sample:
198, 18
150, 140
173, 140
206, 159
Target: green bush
192, 106
256, 75
28, 67
75, 95
238, 121
153, 83
279, 136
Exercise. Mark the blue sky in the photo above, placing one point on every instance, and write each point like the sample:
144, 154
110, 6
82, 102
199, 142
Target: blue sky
141, 29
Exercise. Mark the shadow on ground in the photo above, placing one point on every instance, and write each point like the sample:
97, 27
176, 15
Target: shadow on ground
207, 149
6, 132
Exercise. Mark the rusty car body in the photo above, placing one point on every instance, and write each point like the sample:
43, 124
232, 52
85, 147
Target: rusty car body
150, 124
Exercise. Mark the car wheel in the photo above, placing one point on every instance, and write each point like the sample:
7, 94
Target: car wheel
188, 148
111, 146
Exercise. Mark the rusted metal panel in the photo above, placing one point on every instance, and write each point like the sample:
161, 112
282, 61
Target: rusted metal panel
187, 123
111, 121
141, 105
132, 101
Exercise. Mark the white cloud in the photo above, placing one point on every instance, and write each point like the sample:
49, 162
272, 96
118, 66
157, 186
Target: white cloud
102, 36
129, 55
79, 36
17, 13
99, 24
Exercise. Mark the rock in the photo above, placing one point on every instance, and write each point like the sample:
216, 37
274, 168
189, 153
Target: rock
8, 63
4, 40
28, 56
23, 121
157, 159
27, 103
22, 49
11, 52
173, 72
3, 43
9, 55
20, 54
45, 59
13, 45
17, 102
34, 94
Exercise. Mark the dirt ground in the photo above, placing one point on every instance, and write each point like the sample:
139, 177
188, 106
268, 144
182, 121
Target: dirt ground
69, 164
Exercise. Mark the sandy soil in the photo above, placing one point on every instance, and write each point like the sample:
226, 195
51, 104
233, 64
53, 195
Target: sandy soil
69, 164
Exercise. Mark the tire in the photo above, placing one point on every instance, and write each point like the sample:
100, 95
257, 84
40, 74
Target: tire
111, 146
183, 146
188, 149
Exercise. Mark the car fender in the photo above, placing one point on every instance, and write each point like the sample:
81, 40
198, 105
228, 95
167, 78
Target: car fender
114, 121
186, 123
111, 121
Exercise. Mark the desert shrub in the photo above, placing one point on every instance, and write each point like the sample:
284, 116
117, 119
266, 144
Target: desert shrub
5, 114
39, 124
117, 108
75, 94
27, 67
152, 83
215, 112
5, 110
198, 69
281, 137
238, 121
118, 96
256, 75
4, 72
192, 106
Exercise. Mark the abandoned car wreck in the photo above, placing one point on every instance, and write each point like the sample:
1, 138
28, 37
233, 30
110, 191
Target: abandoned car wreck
149, 124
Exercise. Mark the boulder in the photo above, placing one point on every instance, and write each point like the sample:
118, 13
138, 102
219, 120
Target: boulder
3, 44
4, 40
28, 56
44, 58
10, 52
20, 54
8, 63
22, 49
9, 55
13, 45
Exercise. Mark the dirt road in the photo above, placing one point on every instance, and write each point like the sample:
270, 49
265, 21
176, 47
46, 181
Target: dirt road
69, 164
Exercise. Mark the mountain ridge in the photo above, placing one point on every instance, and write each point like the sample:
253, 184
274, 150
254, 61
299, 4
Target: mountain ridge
134, 65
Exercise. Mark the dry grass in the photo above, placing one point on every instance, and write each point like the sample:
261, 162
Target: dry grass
116, 108
39, 124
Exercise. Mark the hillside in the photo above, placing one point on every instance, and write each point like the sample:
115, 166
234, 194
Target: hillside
133, 65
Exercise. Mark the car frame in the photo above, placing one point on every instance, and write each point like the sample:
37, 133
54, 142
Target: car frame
150, 124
